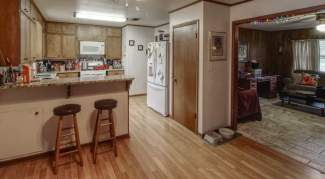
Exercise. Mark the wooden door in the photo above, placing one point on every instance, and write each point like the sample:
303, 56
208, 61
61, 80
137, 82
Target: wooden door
185, 53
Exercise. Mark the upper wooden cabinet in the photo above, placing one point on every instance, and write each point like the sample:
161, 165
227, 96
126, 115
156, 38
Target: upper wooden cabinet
25, 6
91, 33
63, 39
36, 41
68, 46
69, 29
53, 28
114, 32
53, 46
114, 47
25, 39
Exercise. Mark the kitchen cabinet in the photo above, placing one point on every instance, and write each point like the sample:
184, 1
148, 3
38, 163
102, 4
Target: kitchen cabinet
36, 41
114, 47
25, 38
68, 46
69, 29
21, 126
91, 33
114, 32
53, 47
53, 28
25, 6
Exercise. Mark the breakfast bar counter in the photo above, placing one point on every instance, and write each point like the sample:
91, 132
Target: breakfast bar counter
27, 123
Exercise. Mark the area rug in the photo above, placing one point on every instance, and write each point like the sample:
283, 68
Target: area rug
298, 134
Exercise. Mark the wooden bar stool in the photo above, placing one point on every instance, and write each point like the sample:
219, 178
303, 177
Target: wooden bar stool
102, 105
61, 111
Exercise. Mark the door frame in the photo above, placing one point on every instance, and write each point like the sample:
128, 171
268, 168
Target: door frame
197, 23
235, 44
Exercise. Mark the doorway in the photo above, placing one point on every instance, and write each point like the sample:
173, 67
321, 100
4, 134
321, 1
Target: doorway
185, 74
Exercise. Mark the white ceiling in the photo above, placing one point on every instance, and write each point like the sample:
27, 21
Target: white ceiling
151, 12
297, 22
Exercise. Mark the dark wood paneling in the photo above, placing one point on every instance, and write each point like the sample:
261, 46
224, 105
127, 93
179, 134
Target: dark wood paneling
264, 48
9, 30
258, 46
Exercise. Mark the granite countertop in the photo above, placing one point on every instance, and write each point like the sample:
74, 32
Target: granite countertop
70, 81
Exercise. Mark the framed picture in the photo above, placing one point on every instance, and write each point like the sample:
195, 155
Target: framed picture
218, 46
140, 47
131, 42
243, 51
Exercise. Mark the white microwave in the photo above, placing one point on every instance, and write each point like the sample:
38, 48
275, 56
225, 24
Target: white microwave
92, 48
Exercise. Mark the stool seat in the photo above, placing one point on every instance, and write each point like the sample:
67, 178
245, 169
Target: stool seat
68, 109
106, 104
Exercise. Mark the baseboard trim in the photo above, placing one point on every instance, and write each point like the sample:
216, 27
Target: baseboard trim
47, 154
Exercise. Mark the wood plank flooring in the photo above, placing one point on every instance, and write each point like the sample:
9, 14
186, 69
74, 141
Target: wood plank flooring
161, 148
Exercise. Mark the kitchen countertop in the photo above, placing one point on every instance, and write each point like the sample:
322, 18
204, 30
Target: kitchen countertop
70, 81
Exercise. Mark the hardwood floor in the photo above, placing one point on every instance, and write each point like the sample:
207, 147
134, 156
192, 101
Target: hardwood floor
161, 148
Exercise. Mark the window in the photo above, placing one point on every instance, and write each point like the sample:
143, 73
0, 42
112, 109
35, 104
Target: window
322, 55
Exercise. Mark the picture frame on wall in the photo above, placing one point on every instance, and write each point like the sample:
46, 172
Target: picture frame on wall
140, 47
131, 42
218, 46
243, 51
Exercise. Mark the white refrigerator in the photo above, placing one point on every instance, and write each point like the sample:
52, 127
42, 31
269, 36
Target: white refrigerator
157, 76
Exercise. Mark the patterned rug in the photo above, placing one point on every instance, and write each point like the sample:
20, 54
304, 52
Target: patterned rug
298, 134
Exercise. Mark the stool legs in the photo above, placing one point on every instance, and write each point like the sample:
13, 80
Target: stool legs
57, 145
96, 136
76, 133
58, 154
97, 133
112, 131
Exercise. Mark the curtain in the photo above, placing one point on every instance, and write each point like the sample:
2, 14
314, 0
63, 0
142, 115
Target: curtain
306, 55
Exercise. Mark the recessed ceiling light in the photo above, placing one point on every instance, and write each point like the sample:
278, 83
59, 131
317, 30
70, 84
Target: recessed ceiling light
99, 16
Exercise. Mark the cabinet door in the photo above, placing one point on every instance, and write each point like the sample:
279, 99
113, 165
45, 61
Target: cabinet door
53, 28
69, 29
25, 5
25, 38
24, 129
68, 46
91, 33
116, 32
114, 47
36, 40
54, 47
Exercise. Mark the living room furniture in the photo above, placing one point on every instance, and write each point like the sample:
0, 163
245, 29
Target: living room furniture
248, 104
305, 99
266, 85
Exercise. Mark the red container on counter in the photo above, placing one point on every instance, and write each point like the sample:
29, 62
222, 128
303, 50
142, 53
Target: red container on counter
26, 74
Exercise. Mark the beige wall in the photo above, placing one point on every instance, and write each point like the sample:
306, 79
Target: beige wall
191, 13
213, 76
216, 78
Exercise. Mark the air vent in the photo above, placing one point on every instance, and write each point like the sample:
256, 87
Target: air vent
133, 19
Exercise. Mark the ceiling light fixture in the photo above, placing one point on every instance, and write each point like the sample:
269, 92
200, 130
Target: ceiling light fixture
99, 16
321, 22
